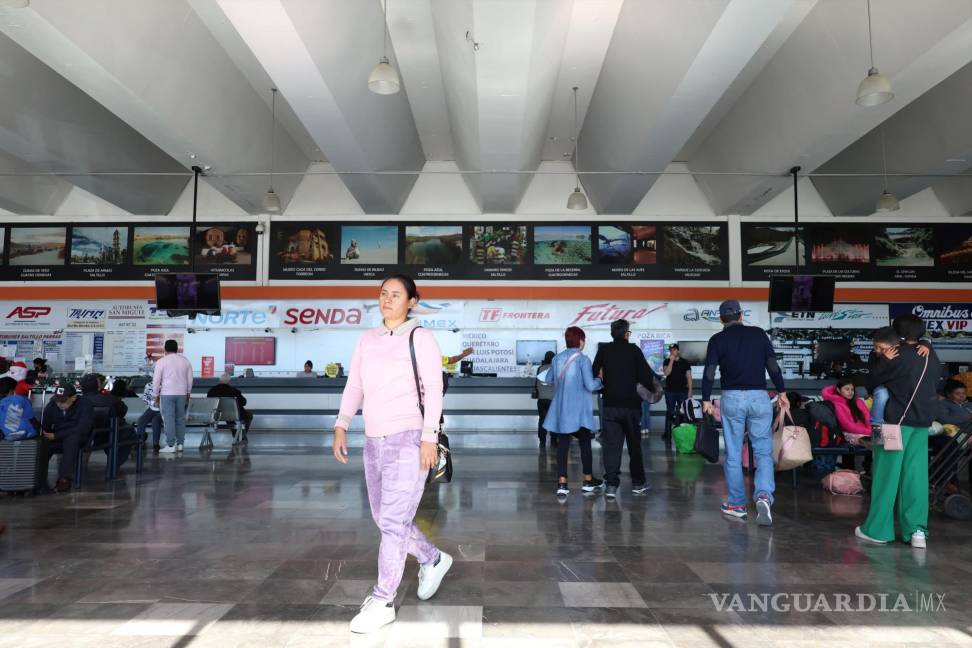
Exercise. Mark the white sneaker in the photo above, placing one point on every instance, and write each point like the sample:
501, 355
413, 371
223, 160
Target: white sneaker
430, 576
918, 539
179, 447
167, 450
866, 538
764, 513
374, 614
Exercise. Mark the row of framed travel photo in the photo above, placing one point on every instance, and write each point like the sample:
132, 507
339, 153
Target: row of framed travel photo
316, 250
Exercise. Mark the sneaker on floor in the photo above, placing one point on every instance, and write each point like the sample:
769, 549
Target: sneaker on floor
610, 491
640, 489
918, 539
735, 511
168, 450
430, 576
562, 490
179, 447
860, 535
591, 485
374, 614
764, 513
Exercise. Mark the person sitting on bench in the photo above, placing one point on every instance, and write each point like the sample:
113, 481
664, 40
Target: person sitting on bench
16, 415
68, 420
92, 390
225, 390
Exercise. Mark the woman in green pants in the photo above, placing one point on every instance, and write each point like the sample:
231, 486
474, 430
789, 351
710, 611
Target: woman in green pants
901, 476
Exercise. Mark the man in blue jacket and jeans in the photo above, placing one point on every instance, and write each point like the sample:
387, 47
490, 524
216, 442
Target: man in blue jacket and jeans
744, 355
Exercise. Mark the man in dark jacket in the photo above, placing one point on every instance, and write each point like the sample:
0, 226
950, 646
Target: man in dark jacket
225, 390
107, 407
744, 355
68, 420
901, 476
624, 368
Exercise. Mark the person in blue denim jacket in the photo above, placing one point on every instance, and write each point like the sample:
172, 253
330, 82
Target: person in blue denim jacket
571, 410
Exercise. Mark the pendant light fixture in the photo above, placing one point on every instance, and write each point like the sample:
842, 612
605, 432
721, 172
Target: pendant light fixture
577, 199
887, 202
875, 89
383, 79
271, 201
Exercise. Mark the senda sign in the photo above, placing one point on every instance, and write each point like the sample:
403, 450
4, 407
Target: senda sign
325, 316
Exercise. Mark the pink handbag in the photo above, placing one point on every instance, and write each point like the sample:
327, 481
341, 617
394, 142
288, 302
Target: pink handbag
843, 482
890, 432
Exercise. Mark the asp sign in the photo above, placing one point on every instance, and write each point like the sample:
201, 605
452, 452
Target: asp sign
939, 318
33, 316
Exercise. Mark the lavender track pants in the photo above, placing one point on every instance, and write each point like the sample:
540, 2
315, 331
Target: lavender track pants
396, 482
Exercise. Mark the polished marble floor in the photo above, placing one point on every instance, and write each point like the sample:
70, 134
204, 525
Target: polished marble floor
273, 547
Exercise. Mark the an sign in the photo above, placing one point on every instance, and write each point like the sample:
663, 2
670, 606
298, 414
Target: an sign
844, 316
33, 316
87, 317
208, 367
127, 316
323, 314
939, 318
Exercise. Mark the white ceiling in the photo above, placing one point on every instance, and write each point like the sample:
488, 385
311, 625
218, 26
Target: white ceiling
716, 85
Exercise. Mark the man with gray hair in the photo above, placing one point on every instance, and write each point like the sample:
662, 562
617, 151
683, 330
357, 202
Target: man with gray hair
744, 355
224, 389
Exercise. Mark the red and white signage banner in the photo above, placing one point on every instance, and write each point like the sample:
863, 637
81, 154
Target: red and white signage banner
32, 316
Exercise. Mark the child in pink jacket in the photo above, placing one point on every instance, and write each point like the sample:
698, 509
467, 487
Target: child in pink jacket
852, 413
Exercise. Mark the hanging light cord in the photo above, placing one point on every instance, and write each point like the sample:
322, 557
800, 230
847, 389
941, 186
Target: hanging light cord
870, 38
884, 159
576, 143
384, 35
273, 130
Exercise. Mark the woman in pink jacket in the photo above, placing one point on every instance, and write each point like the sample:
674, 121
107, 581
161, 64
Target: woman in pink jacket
852, 413
401, 444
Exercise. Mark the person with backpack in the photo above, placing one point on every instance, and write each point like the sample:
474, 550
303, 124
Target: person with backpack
401, 443
571, 412
624, 369
853, 417
17, 420
901, 473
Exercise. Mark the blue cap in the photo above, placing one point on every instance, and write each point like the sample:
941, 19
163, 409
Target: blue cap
729, 307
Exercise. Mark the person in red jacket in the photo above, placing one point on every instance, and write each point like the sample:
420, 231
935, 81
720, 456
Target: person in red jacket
852, 413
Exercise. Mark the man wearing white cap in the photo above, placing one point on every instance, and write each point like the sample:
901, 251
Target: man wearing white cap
744, 354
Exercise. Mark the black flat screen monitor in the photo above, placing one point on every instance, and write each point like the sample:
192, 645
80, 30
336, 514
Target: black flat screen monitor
466, 367
532, 351
693, 352
827, 351
801, 294
187, 292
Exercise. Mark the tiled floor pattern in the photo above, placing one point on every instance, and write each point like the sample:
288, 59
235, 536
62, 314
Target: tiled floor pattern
273, 547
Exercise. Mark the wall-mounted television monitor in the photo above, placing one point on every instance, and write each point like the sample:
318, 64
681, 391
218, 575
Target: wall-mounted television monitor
801, 294
532, 351
832, 351
251, 351
187, 292
693, 352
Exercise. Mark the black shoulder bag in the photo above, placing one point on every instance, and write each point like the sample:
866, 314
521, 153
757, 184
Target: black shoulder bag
442, 470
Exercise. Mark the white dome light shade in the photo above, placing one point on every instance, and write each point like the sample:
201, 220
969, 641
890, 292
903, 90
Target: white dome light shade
887, 202
383, 79
577, 200
271, 201
874, 90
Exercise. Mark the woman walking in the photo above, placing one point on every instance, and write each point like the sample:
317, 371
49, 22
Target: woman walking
401, 443
570, 410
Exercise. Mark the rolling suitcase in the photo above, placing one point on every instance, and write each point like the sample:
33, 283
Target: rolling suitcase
20, 466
